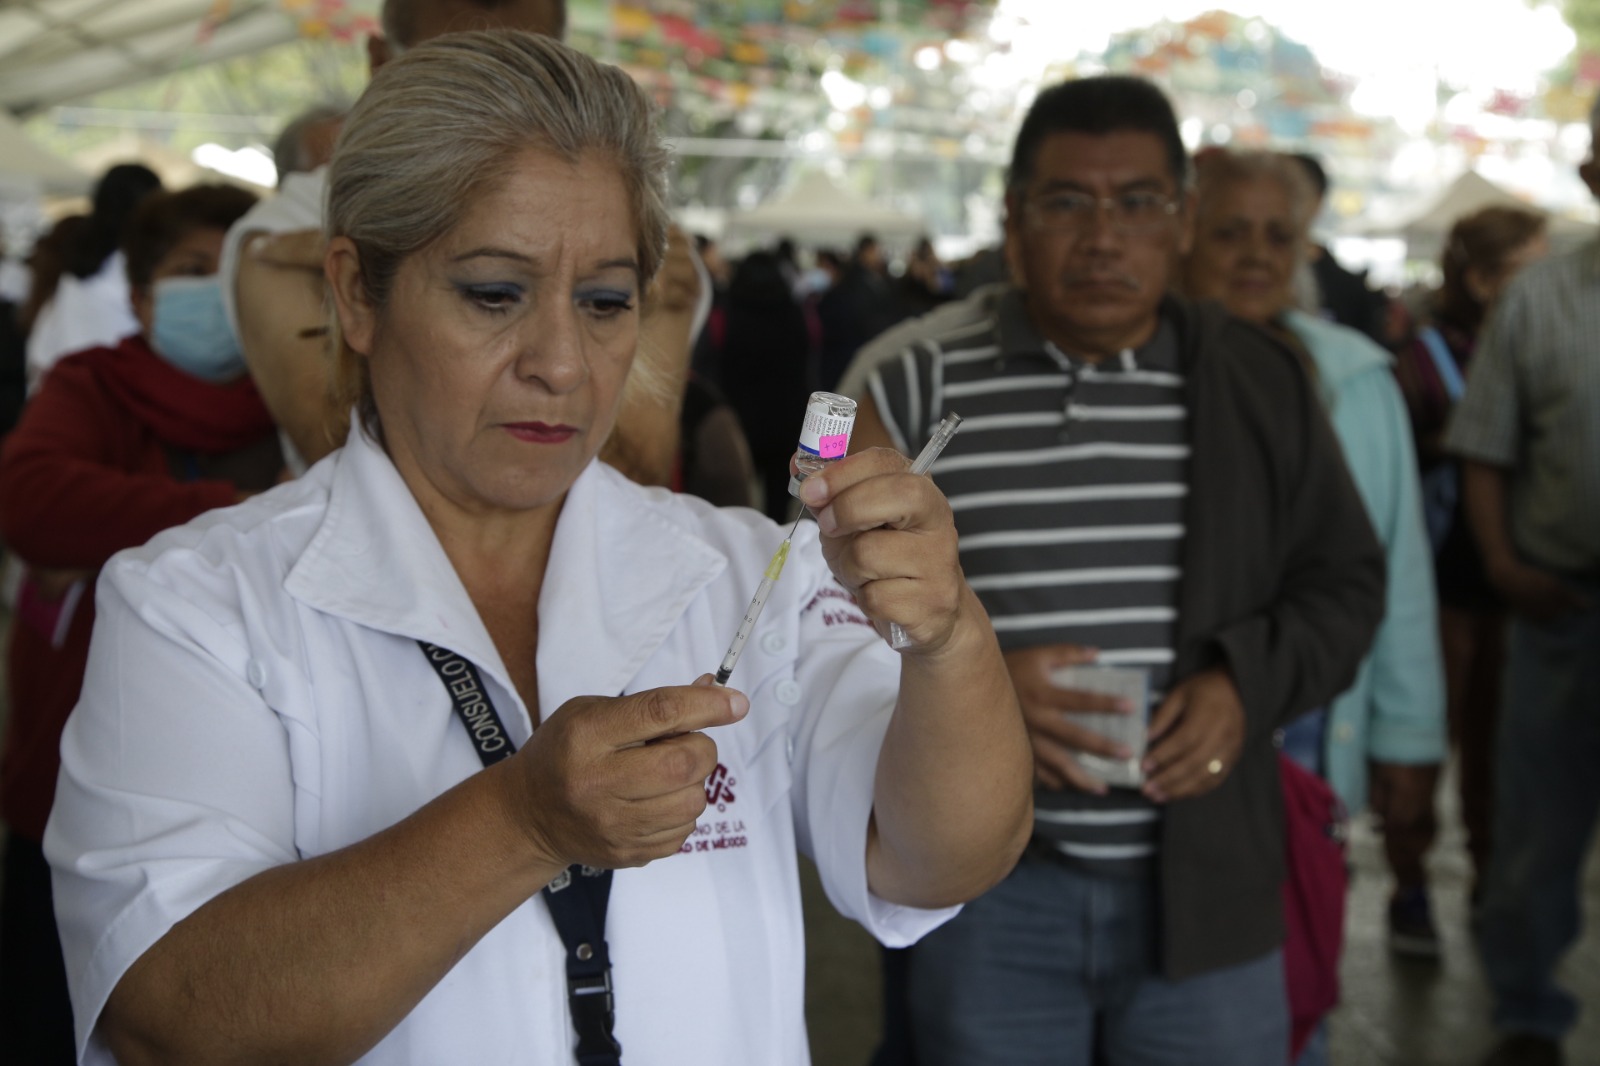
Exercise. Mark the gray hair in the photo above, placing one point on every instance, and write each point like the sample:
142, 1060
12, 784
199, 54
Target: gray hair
1218, 168
445, 122
290, 154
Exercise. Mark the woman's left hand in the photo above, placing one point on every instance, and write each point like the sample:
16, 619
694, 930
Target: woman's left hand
952, 798
889, 538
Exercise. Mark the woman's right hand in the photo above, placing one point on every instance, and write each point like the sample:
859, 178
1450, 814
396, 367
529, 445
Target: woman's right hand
620, 781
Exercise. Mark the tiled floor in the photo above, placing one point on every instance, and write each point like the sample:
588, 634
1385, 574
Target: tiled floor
1395, 1013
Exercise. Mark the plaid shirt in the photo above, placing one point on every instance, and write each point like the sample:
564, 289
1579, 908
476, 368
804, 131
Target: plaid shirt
1533, 407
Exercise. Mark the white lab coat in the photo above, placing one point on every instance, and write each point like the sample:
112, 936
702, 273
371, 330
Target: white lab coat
255, 694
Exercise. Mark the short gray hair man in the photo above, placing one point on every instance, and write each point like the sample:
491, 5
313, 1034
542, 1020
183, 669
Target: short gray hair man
306, 143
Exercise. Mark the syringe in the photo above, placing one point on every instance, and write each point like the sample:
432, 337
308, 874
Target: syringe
898, 637
757, 602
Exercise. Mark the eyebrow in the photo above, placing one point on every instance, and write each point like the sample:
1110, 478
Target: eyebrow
1137, 184
491, 253
505, 253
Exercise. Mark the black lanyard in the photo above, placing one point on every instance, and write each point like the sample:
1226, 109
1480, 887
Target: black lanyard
577, 898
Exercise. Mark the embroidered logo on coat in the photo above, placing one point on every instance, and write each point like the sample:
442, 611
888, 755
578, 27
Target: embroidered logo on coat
720, 834
839, 608
719, 788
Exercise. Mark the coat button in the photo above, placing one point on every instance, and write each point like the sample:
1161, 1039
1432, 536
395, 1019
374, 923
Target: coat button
1342, 732
787, 692
773, 643
256, 674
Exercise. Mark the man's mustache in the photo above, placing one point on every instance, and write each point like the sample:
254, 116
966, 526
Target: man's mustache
1103, 277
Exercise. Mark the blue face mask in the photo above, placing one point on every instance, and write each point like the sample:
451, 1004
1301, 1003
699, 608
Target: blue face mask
191, 329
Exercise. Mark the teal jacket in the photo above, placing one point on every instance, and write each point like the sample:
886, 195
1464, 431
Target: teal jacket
1395, 710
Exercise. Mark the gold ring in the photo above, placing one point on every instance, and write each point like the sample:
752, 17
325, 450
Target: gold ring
1214, 766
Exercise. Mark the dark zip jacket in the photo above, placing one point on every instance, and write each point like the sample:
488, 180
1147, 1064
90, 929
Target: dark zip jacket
1283, 583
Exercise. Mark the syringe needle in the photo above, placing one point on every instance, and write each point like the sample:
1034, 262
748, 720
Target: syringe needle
936, 443
898, 637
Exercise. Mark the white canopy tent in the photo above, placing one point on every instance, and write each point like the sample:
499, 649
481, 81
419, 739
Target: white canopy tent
24, 166
1425, 233
52, 51
818, 210
176, 170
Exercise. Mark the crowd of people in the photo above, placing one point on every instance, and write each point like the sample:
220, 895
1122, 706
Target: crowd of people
375, 540
777, 333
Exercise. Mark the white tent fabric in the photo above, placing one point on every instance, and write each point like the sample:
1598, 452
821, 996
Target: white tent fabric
25, 165
1425, 232
818, 210
177, 171
52, 51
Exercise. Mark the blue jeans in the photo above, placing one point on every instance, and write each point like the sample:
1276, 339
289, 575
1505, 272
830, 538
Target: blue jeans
1315, 1053
1546, 796
1026, 974
1305, 740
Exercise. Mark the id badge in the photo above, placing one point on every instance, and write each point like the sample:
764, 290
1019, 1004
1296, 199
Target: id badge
1132, 729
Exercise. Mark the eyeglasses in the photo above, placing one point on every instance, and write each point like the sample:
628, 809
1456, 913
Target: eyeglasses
1133, 214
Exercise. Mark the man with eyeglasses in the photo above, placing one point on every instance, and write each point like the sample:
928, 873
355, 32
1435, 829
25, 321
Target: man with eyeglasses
1156, 515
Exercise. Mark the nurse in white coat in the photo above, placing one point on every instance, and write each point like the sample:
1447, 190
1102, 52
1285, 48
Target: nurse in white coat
276, 839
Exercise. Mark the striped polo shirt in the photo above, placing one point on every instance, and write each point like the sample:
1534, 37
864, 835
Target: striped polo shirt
1068, 483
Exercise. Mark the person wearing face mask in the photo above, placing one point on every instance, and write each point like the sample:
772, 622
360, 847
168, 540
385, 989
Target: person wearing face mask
1383, 738
118, 444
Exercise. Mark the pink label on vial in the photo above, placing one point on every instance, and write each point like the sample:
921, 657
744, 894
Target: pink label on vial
833, 447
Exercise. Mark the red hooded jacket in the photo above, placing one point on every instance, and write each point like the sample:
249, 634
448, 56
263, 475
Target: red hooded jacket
106, 456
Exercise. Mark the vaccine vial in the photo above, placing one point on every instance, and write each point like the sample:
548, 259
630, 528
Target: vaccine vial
824, 436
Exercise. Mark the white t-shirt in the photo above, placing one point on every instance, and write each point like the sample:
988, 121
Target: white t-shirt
92, 312
256, 695
296, 207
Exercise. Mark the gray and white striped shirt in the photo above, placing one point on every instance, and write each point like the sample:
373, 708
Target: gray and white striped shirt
1068, 482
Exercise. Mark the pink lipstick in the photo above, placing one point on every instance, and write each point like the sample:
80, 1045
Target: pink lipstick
541, 432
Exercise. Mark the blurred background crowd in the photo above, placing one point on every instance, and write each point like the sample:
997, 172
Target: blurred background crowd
840, 171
